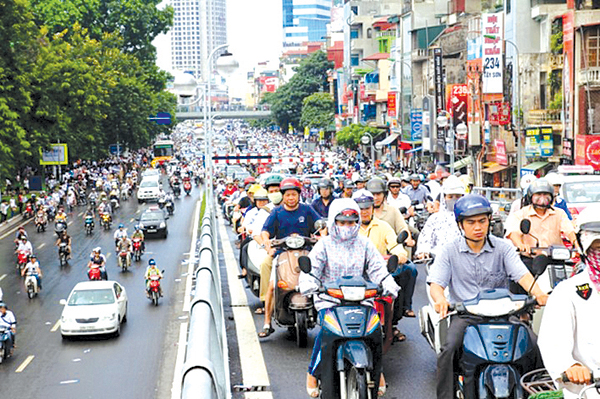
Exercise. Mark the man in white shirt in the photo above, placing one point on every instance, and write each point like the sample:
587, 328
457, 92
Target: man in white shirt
395, 197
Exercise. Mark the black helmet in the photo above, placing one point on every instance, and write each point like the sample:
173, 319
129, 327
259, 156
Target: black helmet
376, 185
325, 183
540, 186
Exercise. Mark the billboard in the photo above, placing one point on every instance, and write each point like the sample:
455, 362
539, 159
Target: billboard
457, 96
57, 154
391, 104
587, 150
493, 65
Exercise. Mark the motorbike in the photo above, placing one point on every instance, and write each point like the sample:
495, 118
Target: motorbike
105, 220
497, 351
62, 253
161, 202
89, 225
170, 207
291, 309
81, 198
539, 384
124, 195
351, 334
59, 227
114, 203
51, 212
252, 263
21, 260
4, 349
177, 189
29, 212
154, 289
94, 273
40, 223
187, 187
124, 260
31, 285
137, 249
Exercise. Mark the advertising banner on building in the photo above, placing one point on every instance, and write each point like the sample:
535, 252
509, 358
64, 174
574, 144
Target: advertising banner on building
391, 104
457, 96
546, 141
416, 125
501, 157
532, 142
587, 150
568, 72
493, 65
438, 79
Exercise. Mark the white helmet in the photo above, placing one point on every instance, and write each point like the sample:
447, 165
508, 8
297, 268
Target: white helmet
588, 226
527, 180
554, 179
453, 185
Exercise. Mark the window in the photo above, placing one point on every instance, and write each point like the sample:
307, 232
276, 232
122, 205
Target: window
593, 47
369, 33
354, 60
354, 34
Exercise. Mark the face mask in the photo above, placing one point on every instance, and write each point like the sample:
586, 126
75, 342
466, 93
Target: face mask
593, 261
275, 197
450, 204
344, 233
542, 201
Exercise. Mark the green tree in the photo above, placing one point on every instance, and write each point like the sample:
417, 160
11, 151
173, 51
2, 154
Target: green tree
317, 111
349, 136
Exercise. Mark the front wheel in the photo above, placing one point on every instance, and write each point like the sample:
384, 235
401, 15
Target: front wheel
301, 329
356, 384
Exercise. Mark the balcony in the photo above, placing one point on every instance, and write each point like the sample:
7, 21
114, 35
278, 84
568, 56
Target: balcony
588, 5
419, 54
544, 117
590, 76
386, 33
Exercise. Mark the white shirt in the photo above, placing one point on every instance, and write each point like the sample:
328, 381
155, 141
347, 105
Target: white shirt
7, 320
27, 247
249, 217
259, 220
120, 234
403, 200
569, 331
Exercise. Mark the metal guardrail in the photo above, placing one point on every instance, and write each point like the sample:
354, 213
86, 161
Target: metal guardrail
205, 371
499, 193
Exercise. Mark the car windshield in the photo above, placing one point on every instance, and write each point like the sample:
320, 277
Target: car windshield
151, 216
150, 172
149, 183
582, 191
92, 297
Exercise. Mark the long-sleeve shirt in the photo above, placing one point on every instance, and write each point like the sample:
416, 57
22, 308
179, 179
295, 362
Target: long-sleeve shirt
569, 330
383, 237
440, 228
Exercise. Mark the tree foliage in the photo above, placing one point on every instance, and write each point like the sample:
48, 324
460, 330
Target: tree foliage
317, 111
310, 77
350, 135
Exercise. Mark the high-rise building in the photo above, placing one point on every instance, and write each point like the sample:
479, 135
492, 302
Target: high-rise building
305, 21
199, 26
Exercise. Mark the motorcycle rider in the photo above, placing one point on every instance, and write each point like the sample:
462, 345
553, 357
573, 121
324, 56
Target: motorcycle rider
65, 238
25, 246
385, 239
441, 227
253, 223
20, 234
139, 234
97, 259
120, 233
473, 262
292, 217
416, 191
32, 268
323, 202
349, 188
547, 224
344, 252
395, 197
523, 201
570, 315
89, 213
8, 320
40, 216
124, 244
272, 185
152, 270
385, 212
308, 192
556, 181
360, 181
61, 216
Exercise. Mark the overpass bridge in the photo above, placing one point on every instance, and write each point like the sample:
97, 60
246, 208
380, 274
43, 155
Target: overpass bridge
197, 113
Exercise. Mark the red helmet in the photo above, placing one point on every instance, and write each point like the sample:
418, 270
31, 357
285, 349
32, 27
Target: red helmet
249, 180
290, 183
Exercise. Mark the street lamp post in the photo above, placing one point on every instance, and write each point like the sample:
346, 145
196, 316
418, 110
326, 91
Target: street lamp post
368, 139
442, 122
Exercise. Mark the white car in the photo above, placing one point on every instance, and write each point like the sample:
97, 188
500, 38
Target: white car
94, 307
150, 172
149, 190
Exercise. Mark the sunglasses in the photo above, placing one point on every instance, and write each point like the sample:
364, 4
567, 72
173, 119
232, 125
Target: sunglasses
394, 186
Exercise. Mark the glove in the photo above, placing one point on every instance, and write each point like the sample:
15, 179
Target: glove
308, 287
390, 287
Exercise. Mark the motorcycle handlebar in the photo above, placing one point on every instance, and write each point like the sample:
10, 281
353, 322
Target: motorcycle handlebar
595, 380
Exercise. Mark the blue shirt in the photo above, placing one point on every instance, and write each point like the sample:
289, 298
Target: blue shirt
419, 195
562, 204
320, 207
282, 223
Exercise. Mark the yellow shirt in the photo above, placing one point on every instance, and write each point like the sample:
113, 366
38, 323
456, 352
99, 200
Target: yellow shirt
383, 237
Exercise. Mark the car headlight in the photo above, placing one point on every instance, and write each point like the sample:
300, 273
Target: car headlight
561, 253
294, 242
110, 318
163, 225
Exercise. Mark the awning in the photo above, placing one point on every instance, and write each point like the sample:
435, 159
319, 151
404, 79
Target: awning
388, 140
377, 57
413, 150
495, 168
534, 166
463, 162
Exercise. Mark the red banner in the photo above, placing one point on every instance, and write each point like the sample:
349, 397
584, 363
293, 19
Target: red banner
587, 150
391, 104
457, 96
501, 157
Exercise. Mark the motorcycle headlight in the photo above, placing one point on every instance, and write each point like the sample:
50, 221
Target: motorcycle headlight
353, 293
294, 242
561, 253
141, 225
163, 225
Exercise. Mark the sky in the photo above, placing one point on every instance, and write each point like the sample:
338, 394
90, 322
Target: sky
254, 33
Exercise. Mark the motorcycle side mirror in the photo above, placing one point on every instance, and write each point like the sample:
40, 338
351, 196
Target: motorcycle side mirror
392, 263
63, 302
415, 202
402, 237
507, 207
320, 224
162, 271
525, 226
540, 263
305, 264
403, 210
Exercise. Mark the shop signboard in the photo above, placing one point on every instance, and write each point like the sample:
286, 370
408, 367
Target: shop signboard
532, 142
546, 141
391, 104
587, 150
458, 96
416, 125
493, 65
501, 157
438, 79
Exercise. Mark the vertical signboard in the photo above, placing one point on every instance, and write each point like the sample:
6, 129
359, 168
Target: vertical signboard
546, 141
438, 80
458, 96
416, 125
501, 157
568, 72
493, 66
391, 104
426, 124
532, 142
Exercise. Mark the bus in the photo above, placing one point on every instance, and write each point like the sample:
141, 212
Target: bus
162, 151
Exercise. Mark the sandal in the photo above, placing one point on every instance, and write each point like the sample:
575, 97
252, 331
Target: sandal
398, 336
259, 311
313, 392
409, 313
267, 330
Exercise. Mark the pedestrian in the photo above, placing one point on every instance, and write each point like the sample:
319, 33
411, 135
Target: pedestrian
8, 186
21, 202
26, 185
3, 211
13, 206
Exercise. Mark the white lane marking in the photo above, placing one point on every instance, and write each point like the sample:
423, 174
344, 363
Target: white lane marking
254, 369
188, 281
42, 245
132, 219
24, 364
80, 214
181, 346
108, 255
3, 236
69, 382
2, 277
55, 327
70, 223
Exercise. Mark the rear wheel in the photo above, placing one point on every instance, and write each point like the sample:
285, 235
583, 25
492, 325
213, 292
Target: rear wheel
301, 329
30, 292
2, 353
356, 384
155, 298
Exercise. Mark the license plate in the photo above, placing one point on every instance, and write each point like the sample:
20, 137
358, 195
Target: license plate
87, 328
152, 230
